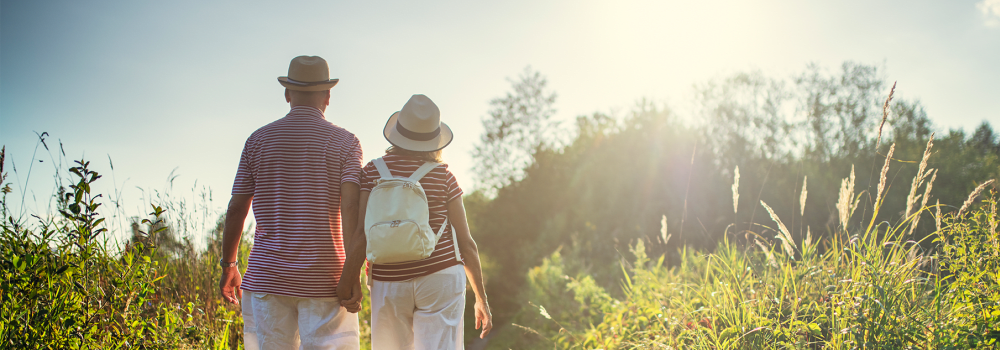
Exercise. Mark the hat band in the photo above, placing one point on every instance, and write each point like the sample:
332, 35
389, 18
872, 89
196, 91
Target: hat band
302, 83
417, 136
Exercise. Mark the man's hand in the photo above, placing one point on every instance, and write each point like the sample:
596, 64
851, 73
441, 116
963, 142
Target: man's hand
230, 283
350, 295
484, 318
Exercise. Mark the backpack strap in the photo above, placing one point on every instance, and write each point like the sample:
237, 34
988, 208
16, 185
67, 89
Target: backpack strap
383, 170
423, 170
454, 240
441, 230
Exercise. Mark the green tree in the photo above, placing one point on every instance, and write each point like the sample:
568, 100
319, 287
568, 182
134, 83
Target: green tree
519, 125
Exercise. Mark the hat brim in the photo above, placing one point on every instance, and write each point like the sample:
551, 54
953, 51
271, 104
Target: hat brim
313, 86
398, 140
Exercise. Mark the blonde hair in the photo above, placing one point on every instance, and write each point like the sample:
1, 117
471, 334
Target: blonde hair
432, 156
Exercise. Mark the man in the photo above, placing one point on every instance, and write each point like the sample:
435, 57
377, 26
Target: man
301, 175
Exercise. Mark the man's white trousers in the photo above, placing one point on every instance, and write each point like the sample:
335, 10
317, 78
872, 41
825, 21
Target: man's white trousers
424, 313
273, 322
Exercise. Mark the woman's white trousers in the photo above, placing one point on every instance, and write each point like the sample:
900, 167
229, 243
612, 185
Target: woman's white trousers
424, 313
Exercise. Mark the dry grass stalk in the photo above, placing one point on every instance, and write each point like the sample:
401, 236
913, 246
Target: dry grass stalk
4, 189
786, 237
882, 179
885, 114
992, 218
736, 190
809, 237
663, 230
923, 203
937, 215
918, 180
972, 196
927, 190
767, 252
845, 205
802, 198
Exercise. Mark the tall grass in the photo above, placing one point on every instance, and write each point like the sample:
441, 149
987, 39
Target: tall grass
68, 282
870, 289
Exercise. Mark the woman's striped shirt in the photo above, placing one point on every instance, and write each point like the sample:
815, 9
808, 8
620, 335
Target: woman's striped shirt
441, 188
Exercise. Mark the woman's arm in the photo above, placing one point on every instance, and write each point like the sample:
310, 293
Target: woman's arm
473, 268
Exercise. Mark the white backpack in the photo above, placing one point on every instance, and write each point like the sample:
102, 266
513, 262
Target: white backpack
397, 218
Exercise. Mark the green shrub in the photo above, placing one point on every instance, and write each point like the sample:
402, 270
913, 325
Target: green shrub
66, 286
62, 287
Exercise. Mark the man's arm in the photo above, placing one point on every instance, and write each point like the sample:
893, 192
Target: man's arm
231, 280
349, 193
349, 287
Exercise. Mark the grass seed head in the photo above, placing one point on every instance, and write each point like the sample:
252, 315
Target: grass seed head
918, 180
937, 215
923, 203
885, 114
882, 179
786, 238
663, 230
972, 196
845, 201
802, 198
736, 190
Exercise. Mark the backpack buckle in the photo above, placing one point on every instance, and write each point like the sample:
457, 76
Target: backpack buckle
395, 223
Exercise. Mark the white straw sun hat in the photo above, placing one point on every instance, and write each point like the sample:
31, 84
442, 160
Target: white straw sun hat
308, 73
418, 126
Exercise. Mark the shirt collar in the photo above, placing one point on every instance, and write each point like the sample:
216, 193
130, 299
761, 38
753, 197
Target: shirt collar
306, 111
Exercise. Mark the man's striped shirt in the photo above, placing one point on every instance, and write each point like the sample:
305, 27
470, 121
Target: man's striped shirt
441, 187
294, 167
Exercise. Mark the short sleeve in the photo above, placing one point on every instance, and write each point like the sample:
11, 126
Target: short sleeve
451, 185
368, 176
245, 183
351, 167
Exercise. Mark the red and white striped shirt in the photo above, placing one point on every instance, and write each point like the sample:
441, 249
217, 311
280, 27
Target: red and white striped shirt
294, 167
441, 187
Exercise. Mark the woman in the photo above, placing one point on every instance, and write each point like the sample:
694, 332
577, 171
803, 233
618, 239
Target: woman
419, 304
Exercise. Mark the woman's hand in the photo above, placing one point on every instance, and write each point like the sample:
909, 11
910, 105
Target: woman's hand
484, 318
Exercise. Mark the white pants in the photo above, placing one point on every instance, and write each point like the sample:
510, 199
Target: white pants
282, 322
422, 313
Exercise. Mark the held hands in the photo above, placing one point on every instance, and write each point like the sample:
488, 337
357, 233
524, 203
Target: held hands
229, 285
484, 318
349, 293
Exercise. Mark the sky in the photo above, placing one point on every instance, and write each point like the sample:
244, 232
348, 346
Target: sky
171, 89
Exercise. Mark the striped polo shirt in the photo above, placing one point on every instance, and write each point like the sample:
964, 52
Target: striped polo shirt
294, 167
441, 188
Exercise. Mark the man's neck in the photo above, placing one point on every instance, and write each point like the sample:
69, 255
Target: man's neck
320, 107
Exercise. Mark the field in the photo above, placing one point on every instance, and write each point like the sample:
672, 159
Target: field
681, 251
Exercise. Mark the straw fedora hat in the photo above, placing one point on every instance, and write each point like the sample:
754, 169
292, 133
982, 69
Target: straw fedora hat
418, 126
308, 73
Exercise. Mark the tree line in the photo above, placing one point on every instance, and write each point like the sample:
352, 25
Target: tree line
591, 189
